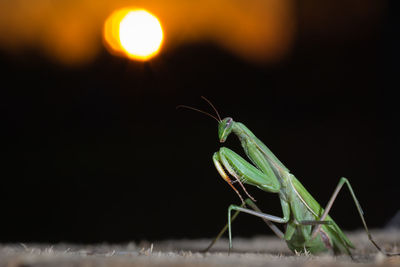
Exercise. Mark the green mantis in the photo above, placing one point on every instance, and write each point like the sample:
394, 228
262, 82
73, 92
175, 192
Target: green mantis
309, 228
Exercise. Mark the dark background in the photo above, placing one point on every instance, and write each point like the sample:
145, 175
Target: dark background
99, 153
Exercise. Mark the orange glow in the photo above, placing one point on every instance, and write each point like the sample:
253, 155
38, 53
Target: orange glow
134, 33
71, 31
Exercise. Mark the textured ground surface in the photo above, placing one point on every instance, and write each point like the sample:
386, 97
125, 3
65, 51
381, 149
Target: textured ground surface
260, 251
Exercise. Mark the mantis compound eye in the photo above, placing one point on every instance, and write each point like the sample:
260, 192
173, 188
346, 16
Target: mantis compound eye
225, 128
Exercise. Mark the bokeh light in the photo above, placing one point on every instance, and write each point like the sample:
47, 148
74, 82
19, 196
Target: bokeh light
134, 33
265, 31
69, 31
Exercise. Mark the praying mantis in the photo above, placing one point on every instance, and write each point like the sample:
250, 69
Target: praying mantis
309, 228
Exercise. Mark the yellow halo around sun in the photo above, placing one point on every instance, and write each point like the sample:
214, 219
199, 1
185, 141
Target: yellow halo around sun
135, 33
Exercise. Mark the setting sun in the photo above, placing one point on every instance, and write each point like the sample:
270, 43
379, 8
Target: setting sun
135, 33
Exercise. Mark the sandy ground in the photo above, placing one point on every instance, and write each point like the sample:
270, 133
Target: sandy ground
259, 251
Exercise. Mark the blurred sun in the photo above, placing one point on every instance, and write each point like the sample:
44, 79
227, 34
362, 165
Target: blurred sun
140, 34
136, 33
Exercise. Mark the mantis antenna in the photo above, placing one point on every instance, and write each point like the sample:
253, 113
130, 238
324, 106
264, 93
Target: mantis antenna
216, 111
201, 111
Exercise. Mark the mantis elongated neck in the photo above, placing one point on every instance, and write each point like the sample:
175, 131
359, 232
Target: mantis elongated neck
247, 139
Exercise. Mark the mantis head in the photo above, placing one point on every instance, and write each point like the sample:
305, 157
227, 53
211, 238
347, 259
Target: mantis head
225, 127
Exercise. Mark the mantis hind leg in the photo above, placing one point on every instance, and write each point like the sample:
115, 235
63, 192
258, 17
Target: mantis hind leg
249, 202
360, 212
